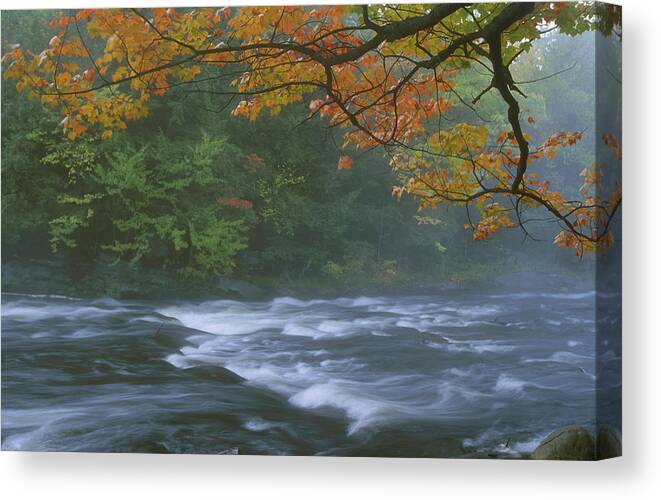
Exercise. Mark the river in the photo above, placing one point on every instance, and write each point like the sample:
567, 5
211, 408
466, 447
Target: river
447, 375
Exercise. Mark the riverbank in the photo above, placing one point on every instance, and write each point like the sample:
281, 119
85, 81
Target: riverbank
121, 280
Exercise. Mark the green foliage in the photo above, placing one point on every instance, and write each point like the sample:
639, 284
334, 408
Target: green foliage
29, 190
214, 243
76, 158
161, 201
441, 248
64, 227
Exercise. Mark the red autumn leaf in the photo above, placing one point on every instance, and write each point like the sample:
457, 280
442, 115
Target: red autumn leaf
344, 163
235, 203
253, 163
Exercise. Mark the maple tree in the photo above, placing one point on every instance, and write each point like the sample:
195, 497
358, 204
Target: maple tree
385, 74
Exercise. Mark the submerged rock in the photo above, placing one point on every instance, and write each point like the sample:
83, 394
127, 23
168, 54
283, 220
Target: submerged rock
609, 443
568, 443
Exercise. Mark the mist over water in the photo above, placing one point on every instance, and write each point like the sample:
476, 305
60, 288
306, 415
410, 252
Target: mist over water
445, 375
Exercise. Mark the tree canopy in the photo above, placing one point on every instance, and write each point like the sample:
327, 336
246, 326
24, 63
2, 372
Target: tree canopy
390, 76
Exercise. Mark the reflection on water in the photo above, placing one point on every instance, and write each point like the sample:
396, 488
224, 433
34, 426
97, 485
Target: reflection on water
438, 375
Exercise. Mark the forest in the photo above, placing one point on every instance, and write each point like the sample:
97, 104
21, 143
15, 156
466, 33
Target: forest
190, 192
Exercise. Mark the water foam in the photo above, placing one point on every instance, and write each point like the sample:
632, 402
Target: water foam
362, 410
268, 344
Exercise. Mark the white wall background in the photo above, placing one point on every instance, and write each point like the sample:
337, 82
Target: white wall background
637, 475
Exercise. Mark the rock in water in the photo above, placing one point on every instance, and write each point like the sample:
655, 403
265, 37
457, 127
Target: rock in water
568, 443
609, 444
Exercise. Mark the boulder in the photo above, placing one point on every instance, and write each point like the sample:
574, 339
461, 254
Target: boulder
568, 443
609, 443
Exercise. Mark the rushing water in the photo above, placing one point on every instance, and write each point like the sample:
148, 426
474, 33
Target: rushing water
465, 374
